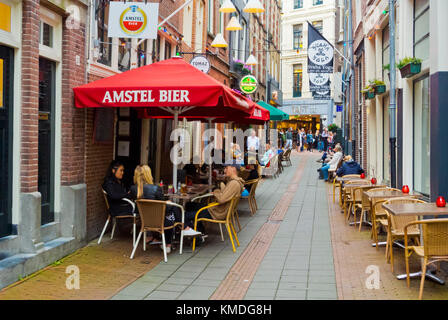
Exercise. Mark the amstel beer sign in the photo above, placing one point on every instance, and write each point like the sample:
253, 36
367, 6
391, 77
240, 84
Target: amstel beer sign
133, 20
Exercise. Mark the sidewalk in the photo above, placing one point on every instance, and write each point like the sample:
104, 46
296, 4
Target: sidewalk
297, 246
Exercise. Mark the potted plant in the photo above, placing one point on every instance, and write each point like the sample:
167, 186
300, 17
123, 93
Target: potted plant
369, 92
409, 67
379, 86
387, 67
246, 70
238, 65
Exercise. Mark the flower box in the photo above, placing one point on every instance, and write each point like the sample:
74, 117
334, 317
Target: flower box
238, 66
410, 70
369, 95
380, 89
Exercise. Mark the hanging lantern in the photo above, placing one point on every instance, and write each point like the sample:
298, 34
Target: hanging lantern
227, 7
253, 6
234, 25
251, 61
219, 41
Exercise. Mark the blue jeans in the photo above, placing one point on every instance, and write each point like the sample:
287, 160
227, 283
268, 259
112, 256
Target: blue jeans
325, 171
288, 144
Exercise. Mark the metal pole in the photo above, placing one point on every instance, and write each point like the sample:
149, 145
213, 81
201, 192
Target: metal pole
392, 106
175, 120
352, 83
345, 103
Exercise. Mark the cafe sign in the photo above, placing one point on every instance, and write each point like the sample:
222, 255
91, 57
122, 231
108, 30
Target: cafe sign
133, 20
201, 63
248, 84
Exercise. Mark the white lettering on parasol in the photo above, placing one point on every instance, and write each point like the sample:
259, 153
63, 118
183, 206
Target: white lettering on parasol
173, 96
133, 96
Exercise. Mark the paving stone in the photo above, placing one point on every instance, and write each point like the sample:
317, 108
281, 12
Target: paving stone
291, 294
197, 293
172, 287
162, 295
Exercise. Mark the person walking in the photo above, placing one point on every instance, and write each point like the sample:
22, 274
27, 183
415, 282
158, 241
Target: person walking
310, 140
325, 139
317, 140
253, 143
289, 139
330, 140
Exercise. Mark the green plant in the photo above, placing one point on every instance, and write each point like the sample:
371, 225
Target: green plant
386, 67
333, 127
405, 61
375, 82
368, 88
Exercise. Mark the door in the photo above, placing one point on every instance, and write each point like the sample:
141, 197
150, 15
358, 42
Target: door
6, 89
46, 138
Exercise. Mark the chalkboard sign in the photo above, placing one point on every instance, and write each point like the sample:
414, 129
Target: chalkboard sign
103, 132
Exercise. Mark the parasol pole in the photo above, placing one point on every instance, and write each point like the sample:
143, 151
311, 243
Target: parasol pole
176, 117
210, 157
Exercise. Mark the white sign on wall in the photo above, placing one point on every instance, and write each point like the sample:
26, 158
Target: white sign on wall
133, 20
201, 63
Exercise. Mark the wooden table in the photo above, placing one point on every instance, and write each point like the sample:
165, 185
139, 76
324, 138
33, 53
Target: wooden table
421, 210
194, 191
341, 180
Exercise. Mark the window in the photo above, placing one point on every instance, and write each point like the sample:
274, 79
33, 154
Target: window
211, 11
297, 81
105, 43
188, 24
142, 53
298, 36
317, 2
243, 40
422, 136
124, 54
235, 40
298, 4
319, 26
386, 141
46, 34
386, 49
198, 45
167, 50
421, 29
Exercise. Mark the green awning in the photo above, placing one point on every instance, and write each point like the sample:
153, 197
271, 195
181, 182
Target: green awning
276, 114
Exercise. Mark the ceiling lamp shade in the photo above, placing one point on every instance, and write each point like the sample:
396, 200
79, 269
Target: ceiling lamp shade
227, 7
253, 6
234, 25
219, 42
251, 61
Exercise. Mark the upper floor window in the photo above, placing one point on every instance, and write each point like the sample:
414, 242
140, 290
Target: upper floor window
298, 4
319, 26
298, 36
297, 81
211, 11
421, 29
317, 2
124, 54
102, 22
46, 34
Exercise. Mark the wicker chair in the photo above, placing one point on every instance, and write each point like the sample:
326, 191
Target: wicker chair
131, 215
338, 184
152, 214
280, 165
396, 225
251, 197
228, 221
365, 205
434, 249
271, 168
355, 198
287, 157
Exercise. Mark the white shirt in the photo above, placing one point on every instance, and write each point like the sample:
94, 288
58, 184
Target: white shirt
252, 142
335, 160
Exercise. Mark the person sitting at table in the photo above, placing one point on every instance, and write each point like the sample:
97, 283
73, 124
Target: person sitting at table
349, 166
333, 162
144, 188
222, 195
253, 174
267, 155
116, 191
236, 152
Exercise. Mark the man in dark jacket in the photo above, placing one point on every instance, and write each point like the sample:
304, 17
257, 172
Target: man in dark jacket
349, 167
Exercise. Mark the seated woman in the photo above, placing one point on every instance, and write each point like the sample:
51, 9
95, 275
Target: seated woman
236, 153
253, 174
333, 162
144, 188
267, 155
349, 167
116, 190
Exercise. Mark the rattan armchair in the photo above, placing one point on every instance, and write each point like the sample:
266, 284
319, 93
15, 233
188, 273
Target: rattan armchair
228, 221
396, 225
287, 157
131, 215
152, 215
271, 168
354, 198
251, 197
434, 249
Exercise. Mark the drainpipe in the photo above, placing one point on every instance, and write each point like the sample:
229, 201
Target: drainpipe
352, 83
392, 106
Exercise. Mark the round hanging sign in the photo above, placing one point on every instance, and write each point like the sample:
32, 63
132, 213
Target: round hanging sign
201, 63
133, 20
248, 84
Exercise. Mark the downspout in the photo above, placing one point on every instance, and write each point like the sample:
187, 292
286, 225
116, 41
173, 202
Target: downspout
392, 106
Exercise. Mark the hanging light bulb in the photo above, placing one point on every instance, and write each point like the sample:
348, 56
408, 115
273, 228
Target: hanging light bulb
219, 41
251, 61
234, 25
227, 7
253, 6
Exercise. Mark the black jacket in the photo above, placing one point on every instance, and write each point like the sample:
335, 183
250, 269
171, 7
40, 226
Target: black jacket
115, 193
252, 175
351, 167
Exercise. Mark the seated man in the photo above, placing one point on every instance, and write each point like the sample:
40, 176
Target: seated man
223, 195
349, 167
267, 155
253, 174
333, 163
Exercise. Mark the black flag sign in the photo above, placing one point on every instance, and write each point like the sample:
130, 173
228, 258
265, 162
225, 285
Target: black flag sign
320, 52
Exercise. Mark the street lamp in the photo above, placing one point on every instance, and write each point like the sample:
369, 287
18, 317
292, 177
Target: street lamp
227, 7
253, 6
234, 25
219, 42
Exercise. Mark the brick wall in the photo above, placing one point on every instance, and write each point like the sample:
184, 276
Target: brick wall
73, 119
30, 95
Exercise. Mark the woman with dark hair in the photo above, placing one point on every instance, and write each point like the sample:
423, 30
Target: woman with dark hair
116, 191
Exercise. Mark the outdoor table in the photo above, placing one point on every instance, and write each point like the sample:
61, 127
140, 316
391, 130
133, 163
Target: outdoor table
195, 191
344, 179
386, 194
421, 210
